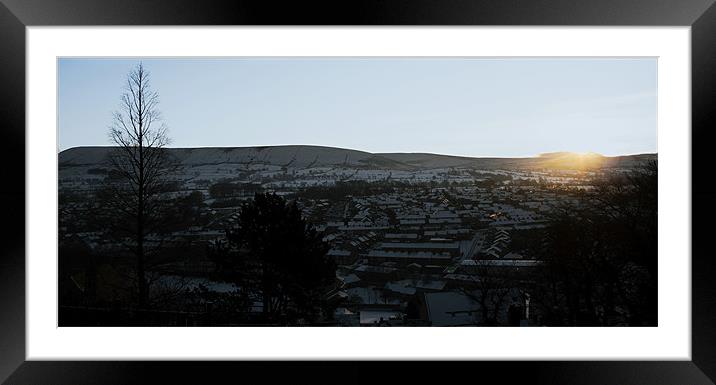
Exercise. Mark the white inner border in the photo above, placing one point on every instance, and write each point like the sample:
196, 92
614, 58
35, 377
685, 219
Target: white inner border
670, 340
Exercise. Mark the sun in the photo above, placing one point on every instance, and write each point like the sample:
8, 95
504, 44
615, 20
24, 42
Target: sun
585, 160
574, 160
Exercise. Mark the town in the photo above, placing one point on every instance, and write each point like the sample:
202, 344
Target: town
418, 239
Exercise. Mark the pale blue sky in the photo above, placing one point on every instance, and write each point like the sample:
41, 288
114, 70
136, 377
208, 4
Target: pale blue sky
458, 106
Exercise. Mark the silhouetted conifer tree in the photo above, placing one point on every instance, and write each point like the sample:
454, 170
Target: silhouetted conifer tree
278, 256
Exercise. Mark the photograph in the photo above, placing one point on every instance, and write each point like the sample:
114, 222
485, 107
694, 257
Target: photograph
357, 191
231, 189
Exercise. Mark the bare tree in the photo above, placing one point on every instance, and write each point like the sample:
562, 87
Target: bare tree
139, 166
490, 286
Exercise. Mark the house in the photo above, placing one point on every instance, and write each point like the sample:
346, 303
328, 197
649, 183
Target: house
345, 317
406, 258
342, 257
451, 309
380, 317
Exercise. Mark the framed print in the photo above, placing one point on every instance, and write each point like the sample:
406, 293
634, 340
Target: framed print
474, 183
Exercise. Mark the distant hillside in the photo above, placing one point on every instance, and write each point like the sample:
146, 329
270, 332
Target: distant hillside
300, 156
289, 156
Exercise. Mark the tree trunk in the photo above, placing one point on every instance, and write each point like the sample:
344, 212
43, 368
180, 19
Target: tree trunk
141, 280
143, 292
266, 297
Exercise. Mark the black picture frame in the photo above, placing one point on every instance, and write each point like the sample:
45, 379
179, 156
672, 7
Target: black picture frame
15, 15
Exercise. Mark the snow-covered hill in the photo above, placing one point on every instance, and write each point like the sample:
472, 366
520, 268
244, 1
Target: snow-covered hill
299, 156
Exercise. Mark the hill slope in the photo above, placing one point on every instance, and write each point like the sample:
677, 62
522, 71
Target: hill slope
299, 156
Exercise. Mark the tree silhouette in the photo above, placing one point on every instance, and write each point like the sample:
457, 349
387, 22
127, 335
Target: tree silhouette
600, 258
139, 166
276, 254
491, 287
